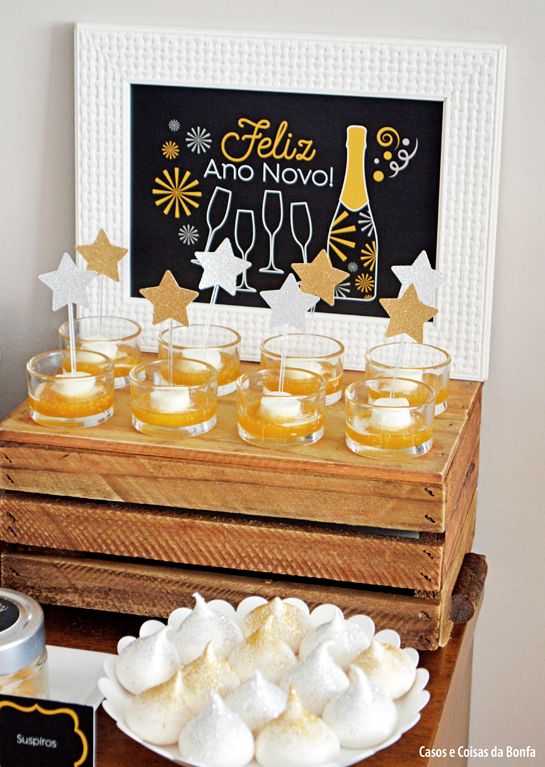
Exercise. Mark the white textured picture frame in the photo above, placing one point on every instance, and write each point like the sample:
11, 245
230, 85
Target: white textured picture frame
467, 77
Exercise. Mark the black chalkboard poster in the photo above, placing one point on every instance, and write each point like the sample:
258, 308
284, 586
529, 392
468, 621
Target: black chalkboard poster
282, 175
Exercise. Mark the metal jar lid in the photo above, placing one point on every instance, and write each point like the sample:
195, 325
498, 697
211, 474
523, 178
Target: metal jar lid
22, 631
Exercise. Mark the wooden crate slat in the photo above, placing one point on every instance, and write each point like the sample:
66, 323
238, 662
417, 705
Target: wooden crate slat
223, 541
218, 472
156, 589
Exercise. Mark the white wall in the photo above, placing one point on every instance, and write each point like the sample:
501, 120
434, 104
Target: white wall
37, 226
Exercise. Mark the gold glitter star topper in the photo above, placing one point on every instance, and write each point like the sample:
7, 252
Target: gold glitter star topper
102, 257
320, 278
169, 300
407, 315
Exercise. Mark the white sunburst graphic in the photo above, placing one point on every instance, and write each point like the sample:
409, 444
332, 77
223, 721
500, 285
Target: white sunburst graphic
198, 140
174, 125
188, 234
352, 267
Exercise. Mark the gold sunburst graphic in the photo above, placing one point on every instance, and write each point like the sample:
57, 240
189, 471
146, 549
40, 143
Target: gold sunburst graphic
170, 150
176, 194
334, 237
369, 255
365, 283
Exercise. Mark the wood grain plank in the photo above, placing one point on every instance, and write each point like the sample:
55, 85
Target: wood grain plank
333, 552
222, 446
155, 590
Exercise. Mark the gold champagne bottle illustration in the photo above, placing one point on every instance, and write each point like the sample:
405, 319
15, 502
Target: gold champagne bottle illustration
352, 242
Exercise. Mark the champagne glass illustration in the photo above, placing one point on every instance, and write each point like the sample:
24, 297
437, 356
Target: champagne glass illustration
272, 212
245, 240
217, 212
301, 226
216, 215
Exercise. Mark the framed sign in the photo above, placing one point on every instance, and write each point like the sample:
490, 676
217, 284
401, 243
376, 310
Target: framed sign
374, 150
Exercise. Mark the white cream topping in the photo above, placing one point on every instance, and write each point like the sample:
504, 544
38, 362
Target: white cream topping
311, 365
316, 679
362, 716
217, 737
392, 415
170, 400
159, 714
211, 356
108, 348
204, 625
279, 406
75, 384
147, 662
256, 701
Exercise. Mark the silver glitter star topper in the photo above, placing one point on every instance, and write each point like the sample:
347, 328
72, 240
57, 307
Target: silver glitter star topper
220, 267
68, 283
425, 279
289, 304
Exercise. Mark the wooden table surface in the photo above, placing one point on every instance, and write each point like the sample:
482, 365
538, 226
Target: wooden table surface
444, 721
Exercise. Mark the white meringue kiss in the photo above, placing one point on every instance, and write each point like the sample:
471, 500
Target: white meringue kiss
316, 679
263, 651
388, 668
362, 716
217, 737
202, 626
257, 701
147, 662
208, 673
159, 714
288, 621
349, 640
296, 738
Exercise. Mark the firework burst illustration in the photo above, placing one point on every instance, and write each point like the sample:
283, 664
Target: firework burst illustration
170, 150
342, 290
188, 234
365, 220
352, 267
198, 140
337, 236
369, 255
174, 125
365, 283
176, 193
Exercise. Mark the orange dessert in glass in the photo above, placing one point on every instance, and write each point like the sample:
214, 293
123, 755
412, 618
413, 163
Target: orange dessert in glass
115, 337
422, 363
220, 349
381, 421
269, 414
307, 351
160, 405
59, 397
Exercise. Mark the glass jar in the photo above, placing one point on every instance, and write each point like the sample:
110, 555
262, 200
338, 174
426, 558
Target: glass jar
216, 346
23, 655
307, 351
59, 397
270, 415
115, 337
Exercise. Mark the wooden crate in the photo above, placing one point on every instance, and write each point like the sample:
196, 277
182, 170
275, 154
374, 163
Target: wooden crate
155, 520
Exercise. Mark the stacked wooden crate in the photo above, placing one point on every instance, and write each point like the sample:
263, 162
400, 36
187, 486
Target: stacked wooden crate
110, 519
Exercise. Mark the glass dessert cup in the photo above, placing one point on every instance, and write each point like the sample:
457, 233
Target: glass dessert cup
385, 426
310, 352
417, 362
221, 350
58, 397
161, 407
115, 337
269, 416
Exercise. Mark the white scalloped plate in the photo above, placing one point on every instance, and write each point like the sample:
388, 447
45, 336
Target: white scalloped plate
408, 707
